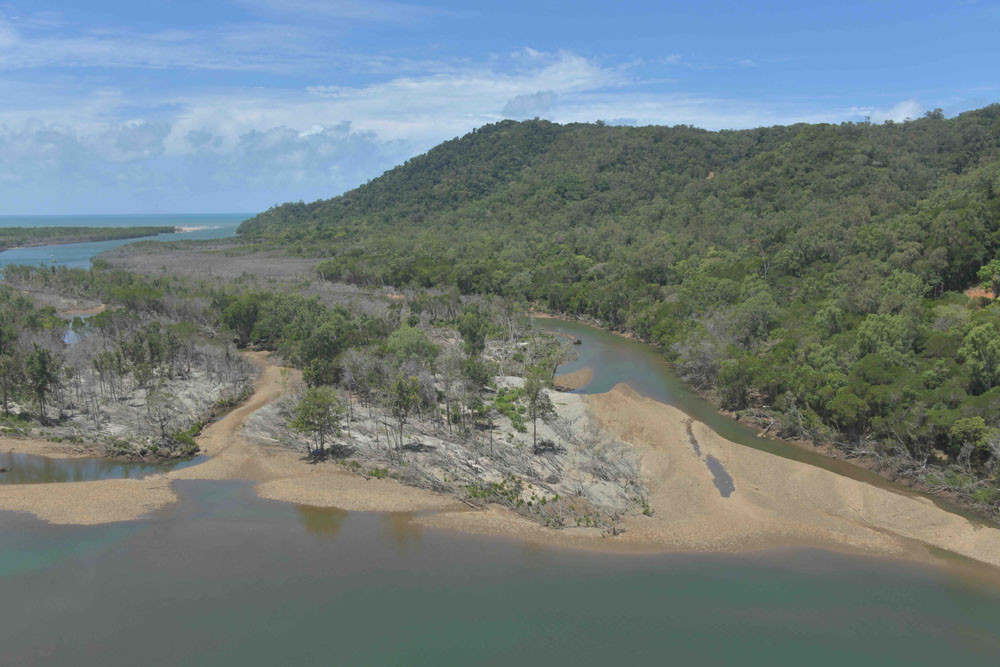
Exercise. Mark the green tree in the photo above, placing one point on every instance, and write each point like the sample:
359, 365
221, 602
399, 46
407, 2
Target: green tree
241, 316
968, 435
990, 274
888, 335
474, 326
981, 351
411, 343
11, 368
11, 377
404, 399
537, 399
318, 412
42, 372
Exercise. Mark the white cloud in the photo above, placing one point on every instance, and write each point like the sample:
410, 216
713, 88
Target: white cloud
252, 47
125, 168
529, 106
897, 113
68, 145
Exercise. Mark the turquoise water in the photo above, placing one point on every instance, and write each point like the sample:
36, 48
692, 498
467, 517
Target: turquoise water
78, 255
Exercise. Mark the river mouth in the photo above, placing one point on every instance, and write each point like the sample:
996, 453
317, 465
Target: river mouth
32, 469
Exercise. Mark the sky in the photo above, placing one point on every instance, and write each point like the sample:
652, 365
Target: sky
169, 106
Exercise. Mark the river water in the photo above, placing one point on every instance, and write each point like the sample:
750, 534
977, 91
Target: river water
225, 578
78, 255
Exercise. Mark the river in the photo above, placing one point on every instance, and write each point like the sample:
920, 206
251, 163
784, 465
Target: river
78, 255
225, 578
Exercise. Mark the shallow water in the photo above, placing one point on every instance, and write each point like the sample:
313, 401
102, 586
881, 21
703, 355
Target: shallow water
78, 255
224, 578
615, 359
29, 469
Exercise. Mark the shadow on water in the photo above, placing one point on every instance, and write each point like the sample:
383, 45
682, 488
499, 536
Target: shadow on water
29, 469
615, 359
322, 521
400, 532
245, 581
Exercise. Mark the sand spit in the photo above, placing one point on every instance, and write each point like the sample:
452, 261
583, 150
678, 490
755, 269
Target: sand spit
705, 493
52, 450
776, 501
574, 380
89, 503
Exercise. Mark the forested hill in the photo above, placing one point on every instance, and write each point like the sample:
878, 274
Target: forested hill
815, 270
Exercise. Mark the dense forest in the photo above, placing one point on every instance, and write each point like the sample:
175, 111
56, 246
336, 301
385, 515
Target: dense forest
15, 237
833, 281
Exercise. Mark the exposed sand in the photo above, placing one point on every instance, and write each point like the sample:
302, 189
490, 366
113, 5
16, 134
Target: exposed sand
283, 475
574, 380
53, 450
776, 502
89, 503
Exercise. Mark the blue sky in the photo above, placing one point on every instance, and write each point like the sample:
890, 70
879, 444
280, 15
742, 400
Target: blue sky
174, 106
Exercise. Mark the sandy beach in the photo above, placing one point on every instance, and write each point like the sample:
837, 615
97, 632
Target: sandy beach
767, 501
575, 380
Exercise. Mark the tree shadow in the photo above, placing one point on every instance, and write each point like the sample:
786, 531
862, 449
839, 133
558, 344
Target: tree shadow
547, 447
335, 451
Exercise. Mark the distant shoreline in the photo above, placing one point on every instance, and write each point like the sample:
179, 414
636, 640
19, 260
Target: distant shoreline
15, 238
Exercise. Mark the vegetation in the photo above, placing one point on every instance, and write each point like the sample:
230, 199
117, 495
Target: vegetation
146, 373
318, 412
809, 275
14, 237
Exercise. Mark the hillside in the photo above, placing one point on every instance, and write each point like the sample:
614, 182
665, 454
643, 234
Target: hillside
810, 274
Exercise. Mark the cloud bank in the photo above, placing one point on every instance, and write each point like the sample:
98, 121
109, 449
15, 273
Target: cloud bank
243, 115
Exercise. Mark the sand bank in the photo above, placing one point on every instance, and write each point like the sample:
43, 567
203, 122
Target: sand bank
775, 501
89, 503
574, 380
705, 493
52, 450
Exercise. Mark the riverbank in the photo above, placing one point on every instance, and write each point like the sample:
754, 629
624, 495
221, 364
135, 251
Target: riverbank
863, 465
772, 502
573, 381
14, 238
769, 501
